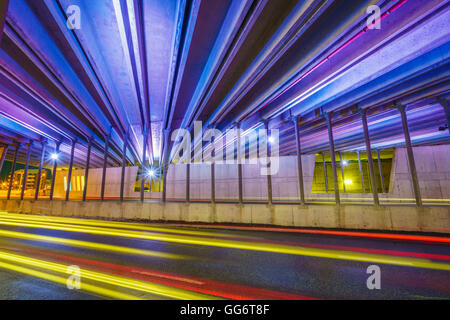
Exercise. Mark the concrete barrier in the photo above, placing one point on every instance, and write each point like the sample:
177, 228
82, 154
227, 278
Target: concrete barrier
393, 218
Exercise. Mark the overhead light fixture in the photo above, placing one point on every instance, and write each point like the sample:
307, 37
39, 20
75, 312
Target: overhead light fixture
345, 163
271, 139
348, 181
54, 156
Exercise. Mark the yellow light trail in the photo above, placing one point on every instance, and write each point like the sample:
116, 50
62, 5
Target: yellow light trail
89, 245
128, 283
232, 244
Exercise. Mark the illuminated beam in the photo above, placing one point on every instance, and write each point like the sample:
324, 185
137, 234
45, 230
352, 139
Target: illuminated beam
13, 168
69, 175
143, 166
55, 163
86, 170
373, 183
41, 164
188, 181
412, 164
328, 117
213, 172
165, 164
25, 173
269, 171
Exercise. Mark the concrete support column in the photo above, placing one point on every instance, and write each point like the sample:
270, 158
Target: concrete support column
105, 162
165, 164
239, 163
301, 188
412, 164
188, 181
341, 157
373, 181
69, 175
86, 170
13, 168
325, 171
381, 172
269, 173
144, 159
41, 164
2, 159
361, 172
333, 158
55, 165
25, 172
124, 164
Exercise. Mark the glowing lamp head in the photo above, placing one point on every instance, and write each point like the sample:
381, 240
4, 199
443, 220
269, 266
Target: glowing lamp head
345, 163
348, 181
151, 173
271, 139
54, 156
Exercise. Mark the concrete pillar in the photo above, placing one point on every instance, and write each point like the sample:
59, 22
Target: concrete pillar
165, 164
3, 11
341, 157
2, 159
69, 175
144, 159
373, 182
269, 174
239, 163
55, 164
412, 164
333, 158
13, 168
124, 164
25, 172
301, 187
105, 163
188, 181
325, 171
86, 170
361, 172
41, 164
381, 172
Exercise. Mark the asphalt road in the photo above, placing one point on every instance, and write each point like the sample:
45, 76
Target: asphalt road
40, 256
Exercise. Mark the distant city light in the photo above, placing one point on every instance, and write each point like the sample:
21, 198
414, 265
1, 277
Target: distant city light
348, 181
54, 156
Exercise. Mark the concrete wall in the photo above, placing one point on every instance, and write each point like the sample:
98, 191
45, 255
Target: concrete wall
433, 166
398, 218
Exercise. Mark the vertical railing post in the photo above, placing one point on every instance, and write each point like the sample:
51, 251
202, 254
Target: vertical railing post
213, 171
269, 171
39, 175
239, 163
86, 169
409, 150
69, 174
188, 181
373, 181
301, 188
328, 117
105, 163
2, 159
143, 167
25, 172
13, 169
381, 171
325, 171
124, 164
165, 164
55, 165
361, 172
341, 157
